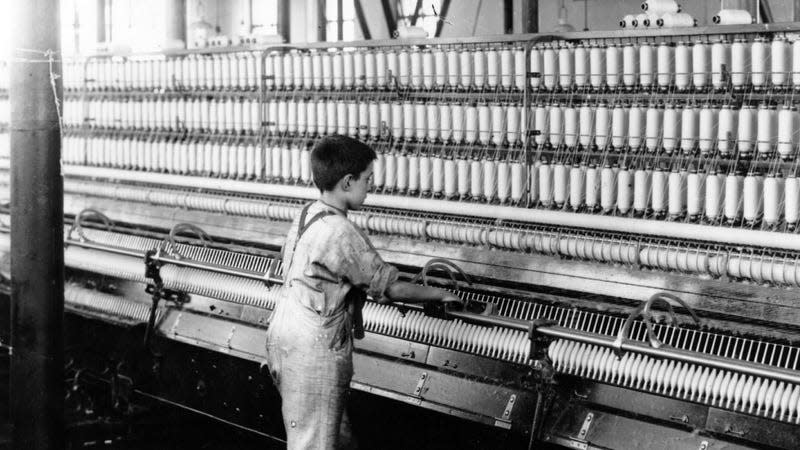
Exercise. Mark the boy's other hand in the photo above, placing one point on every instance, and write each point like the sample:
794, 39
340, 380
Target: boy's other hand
452, 301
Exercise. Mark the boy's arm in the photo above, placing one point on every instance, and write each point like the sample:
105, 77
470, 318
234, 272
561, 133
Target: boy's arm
403, 291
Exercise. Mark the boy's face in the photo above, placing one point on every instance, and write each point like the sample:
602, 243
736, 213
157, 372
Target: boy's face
359, 188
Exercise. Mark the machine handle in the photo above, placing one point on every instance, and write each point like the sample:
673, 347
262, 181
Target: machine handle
184, 227
77, 225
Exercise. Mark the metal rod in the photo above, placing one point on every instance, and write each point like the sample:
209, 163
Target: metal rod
37, 227
166, 259
105, 248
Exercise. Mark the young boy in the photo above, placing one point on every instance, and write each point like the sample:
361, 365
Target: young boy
329, 265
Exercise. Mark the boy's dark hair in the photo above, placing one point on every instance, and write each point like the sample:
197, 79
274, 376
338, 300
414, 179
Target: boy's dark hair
336, 156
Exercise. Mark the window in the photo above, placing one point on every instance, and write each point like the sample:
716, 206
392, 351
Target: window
427, 18
340, 28
265, 17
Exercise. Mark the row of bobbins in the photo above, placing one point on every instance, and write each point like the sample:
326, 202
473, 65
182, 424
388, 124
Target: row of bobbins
217, 285
232, 114
76, 296
223, 71
498, 124
673, 194
761, 130
701, 65
464, 68
722, 388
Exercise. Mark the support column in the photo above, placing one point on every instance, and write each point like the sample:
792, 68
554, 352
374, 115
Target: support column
175, 18
37, 245
284, 20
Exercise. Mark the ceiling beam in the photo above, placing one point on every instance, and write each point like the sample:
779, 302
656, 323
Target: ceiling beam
362, 20
391, 21
417, 10
442, 17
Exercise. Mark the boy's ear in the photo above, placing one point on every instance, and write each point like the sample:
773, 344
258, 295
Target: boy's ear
346, 181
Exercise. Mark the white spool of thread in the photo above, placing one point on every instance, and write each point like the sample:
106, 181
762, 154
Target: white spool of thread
792, 200
493, 69
608, 188
291, 116
545, 184
647, 67
733, 17
517, 181
636, 122
459, 122
556, 134
760, 62
613, 65
503, 181
715, 195
683, 66
549, 67
382, 62
652, 131
361, 127
427, 75
671, 129
658, 199
586, 124
311, 113
341, 117
379, 171
727, 129
536, 67
447, 124
513, 124
519, 68
740, 62
752, 197
624, 190
597, 66
767, 129
327, 70
397, 116
434, 121
660, 6
439, 68
689, 128
479, 68
592, 197
720, 61
322, 117
676, 193
796, 63
498, 130
425, 174
465, 63
773, 195
471, 124
453, 67
375, 117
665, 64
733, 197
747, 128
570, 126
581, 56
700, 65
780, 54
565, 68
286, 163
330, 112
540, 123
485, 126
707, 128
403, 74
305, 165
602, 126
695, 193
577, 187
359, 68
409, 120
416, 69
450, 178
296, 169
676, 20
420, 121
463, 177
401, 161
787, 130
489, 180
630, 65
390, 171
476, 179
370, 70
619, 126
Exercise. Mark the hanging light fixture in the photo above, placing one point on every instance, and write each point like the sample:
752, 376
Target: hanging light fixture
563, 26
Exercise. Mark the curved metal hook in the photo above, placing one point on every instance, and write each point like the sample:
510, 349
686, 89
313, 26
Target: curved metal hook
184, 227
77, 225
644, 310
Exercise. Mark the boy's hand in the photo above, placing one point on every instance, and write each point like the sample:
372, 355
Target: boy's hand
452, 301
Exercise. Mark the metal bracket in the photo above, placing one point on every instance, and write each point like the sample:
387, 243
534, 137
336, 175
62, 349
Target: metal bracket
509, 406
587, 422
420, 383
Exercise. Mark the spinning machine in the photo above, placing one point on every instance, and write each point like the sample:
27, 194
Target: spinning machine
624, 206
